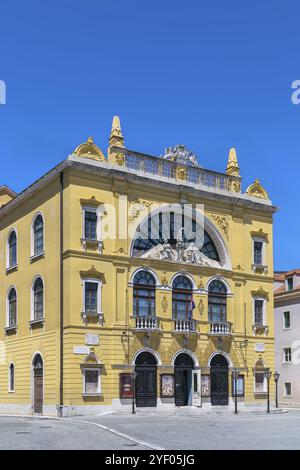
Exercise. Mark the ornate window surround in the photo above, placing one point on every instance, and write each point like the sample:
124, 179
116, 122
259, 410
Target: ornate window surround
98, 210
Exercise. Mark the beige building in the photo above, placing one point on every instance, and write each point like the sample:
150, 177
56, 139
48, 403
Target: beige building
122, 262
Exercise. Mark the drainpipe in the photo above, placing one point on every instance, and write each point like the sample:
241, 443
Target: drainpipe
61, 299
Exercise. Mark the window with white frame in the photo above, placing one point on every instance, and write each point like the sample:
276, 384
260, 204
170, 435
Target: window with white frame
37, 299
260, 382
91, 229
11, 378
12, 249
287, 389
287, 355
11, 315
92, 296
259, 251
91, 381
37, 242
258, 311
290, 283
286, 320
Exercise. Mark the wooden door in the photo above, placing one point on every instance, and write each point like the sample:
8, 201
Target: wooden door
146, 385
219, 386
38, 390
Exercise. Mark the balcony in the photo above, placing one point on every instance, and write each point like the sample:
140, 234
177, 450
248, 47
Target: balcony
146, 323
220, 328
177, 170
185, 326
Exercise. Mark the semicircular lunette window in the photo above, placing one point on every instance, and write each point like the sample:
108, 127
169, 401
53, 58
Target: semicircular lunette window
159, 237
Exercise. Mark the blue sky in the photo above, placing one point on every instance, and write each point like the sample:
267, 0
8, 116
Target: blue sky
209, 74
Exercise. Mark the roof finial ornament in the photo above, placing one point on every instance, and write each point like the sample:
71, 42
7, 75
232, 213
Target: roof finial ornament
232, 168
116, 136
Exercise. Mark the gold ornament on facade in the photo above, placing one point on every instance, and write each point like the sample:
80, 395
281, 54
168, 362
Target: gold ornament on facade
90, 150
235, 185
201, 307
256, 190
137, 207
164, 281
260, 293
222, 223
181, 173
201, 283
120, 159
164, 304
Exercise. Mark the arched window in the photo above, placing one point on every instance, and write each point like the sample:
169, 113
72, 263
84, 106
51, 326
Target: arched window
164, 227
38, 299
38, 235
12, 249
217, 301
12, 307
182, 298
144, 294
11, 378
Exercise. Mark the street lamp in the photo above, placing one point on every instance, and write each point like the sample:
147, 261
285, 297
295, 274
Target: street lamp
235, 376
133, 377
276, 378
268, 375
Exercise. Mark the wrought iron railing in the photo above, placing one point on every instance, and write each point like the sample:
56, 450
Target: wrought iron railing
220, 328
147, 323
178, 171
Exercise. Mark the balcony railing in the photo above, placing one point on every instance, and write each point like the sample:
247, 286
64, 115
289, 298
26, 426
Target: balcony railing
178, 171
184, 326
147, 323
220, 328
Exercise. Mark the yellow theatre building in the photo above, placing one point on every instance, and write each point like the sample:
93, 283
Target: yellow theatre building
128, 276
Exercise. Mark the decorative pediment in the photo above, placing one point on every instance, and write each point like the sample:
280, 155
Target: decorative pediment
92, 201
90, 150
91, 273
260, 234
260, 293
256, 190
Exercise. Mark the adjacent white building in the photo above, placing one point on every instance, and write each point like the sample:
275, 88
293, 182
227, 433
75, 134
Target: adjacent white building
287, 336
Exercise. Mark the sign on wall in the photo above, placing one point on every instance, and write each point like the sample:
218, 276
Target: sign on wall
167, 385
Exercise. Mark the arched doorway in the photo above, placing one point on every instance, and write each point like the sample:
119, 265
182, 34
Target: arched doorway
184, 366
146, 379
219, 380
38, 378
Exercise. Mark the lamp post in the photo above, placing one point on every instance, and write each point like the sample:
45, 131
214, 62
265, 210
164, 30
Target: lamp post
276, 378
235, 376
133, 376
268, 375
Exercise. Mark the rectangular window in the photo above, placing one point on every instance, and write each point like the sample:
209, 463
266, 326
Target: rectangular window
258, 312
91, 381
290, 283
258, 249
90, 225
260, 382
91, 297
286, 319
287, 354
287, 389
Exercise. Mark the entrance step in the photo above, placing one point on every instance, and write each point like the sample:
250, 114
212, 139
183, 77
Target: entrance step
197, 411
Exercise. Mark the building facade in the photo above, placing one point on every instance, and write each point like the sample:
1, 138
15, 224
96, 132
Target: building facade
129, 274
287, 336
